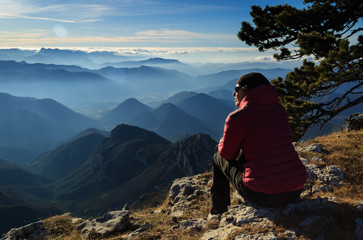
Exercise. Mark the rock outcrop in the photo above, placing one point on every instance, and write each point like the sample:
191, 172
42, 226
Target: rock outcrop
33, 231
111, 222
247, 221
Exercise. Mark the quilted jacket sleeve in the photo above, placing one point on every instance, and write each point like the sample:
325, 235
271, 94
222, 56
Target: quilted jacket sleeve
234, 132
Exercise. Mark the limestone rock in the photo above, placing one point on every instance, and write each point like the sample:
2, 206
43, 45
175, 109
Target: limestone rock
134, 235
111, 222
185, 189
198, 224
220, 233
247, 214
315, 147
33, 231
260, 236
317, 159
332, 174
312, 169
328, 176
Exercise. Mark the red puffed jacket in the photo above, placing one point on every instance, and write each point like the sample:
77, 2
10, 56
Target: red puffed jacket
260, 129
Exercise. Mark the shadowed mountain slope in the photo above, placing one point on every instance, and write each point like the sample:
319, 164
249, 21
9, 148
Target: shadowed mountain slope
185, 158
23, 196
66, 157
11, 173
117, 159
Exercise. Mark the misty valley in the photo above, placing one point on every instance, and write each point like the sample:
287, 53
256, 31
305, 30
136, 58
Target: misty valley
84, 132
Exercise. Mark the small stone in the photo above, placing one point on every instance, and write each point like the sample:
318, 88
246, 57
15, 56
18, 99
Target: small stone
213, 217
310, 220
315, 147
317, 159
321, 188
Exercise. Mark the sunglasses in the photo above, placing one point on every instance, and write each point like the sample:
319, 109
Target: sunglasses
236, 89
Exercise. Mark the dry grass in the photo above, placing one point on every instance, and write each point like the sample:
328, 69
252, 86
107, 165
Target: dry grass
62, 228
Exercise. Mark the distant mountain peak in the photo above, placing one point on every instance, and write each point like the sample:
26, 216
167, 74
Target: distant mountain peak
124, 113
57, 50
161, 60
168, 108
132, 101
124, 132
167, 105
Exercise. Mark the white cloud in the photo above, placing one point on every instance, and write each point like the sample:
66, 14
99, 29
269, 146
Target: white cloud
89, 12
8, 15
79, 12
265, 58
67, 13
14, 7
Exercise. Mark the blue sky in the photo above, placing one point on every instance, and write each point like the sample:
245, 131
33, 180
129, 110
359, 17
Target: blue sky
128, 24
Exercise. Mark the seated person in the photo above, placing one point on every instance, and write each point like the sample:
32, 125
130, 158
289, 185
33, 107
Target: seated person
256, 154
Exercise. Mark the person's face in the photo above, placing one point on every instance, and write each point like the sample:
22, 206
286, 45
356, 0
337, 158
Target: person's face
238, 94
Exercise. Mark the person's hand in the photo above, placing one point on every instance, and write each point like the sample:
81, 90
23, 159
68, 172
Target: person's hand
220, 140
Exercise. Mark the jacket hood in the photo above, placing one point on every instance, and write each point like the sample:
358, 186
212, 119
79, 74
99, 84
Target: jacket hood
264, 94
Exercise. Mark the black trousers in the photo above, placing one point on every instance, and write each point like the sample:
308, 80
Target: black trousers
226, 172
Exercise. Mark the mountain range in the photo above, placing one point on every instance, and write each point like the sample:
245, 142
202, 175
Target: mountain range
30, 126
83, 88
100, 59
95, 171
181, 115
61, 56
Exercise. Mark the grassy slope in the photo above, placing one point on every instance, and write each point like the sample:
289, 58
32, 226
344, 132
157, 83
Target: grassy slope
345, 150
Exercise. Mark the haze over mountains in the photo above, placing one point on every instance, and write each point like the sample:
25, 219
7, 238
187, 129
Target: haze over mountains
37, 124
90, 131
80, 79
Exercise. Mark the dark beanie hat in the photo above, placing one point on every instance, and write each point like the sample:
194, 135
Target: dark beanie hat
252, 80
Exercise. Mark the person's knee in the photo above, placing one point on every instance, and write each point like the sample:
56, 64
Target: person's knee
219, 161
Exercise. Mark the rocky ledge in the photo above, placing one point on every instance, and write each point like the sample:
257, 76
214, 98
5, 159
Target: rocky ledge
304, 219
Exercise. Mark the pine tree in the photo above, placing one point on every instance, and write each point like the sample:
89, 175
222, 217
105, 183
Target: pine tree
326, 33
